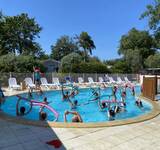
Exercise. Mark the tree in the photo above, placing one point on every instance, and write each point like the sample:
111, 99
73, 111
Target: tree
7, 63
120, 66
26, 63
94, 59
152, 13
70, 63
93, 67
19, 64
112, 61
64, 46
136, 45
134, 60
85, 41
153, 61
18, 34
44, 57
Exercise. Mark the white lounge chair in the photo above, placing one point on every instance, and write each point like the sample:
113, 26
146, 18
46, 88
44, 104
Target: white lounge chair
90, 81
13, 84
126, 80
45, 83
120, 81
68, 81
111, 80
56, 82
106, 77
80, 80
29, 83
101, 81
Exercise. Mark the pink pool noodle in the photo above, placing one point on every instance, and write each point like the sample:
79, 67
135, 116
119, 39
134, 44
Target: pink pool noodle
110, 101
36, 103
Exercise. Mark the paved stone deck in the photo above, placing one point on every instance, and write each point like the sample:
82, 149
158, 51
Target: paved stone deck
139, 136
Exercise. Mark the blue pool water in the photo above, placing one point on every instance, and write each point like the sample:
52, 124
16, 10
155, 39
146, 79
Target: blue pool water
89, 113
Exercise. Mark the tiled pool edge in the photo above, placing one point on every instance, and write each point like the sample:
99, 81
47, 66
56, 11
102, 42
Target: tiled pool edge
155, 112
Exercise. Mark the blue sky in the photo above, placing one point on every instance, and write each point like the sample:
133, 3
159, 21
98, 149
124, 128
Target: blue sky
105, 20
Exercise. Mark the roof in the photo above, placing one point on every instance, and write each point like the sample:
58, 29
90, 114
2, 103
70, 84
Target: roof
51, 60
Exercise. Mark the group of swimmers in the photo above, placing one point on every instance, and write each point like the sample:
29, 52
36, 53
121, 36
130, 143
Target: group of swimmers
112, 107
67, 95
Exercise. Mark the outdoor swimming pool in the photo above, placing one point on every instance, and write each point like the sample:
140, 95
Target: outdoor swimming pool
89, 112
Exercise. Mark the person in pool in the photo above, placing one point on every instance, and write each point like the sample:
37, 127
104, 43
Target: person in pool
114, 91
30, 93
133, 91
102, 105
66, 95
22, 110
112, 112
2, 97
45, 101
73, 104
42, 114
40, 91
138, 103
123, 98
96, 94
76, 116
74, 92
117, 108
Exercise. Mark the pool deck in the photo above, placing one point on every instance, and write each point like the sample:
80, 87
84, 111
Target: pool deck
138, 136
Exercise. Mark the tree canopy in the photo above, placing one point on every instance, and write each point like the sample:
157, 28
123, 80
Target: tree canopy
70, 62
153, 13
153, 61
64, 46
18, 34
120, 66
20, 64
136, 46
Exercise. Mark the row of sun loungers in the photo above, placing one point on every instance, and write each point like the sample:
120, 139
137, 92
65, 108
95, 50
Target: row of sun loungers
29, 83
56, 83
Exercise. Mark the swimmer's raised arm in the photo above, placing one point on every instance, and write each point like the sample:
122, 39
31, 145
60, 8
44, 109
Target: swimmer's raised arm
100, 105
74, 113
79, 117
17, 111
40, 110
70, 102
116, 109
63, 90
77, 114
65, 115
